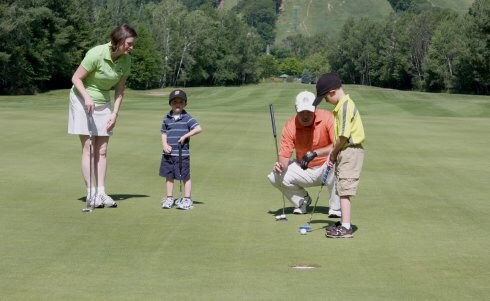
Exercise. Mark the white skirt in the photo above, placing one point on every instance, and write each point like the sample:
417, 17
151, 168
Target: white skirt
81, 123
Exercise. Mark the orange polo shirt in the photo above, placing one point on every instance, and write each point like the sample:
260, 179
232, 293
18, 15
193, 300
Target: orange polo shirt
297, 137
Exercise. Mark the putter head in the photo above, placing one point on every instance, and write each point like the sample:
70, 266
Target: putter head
281, 217
307, 227
87, 210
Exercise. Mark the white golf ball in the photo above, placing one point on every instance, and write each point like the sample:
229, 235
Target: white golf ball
302, 231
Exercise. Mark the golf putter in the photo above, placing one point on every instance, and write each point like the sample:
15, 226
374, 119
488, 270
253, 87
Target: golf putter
307, 226
281, 217
89, 208
180, 170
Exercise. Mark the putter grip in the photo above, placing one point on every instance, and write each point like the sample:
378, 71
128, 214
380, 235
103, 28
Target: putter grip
327, 171
273, 120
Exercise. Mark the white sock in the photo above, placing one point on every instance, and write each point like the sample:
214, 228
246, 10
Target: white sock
101, 190
88, 192
346, 225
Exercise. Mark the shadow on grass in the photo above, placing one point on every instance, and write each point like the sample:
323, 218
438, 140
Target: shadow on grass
289, 210
121, 197
327, 223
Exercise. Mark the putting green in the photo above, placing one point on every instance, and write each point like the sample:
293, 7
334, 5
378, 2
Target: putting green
421, 215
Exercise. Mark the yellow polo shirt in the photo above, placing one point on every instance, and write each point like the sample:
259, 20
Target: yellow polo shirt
103, 73
348, 122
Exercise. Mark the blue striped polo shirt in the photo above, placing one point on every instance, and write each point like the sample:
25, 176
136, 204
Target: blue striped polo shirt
175, 128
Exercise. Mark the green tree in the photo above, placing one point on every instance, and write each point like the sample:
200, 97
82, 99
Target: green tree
409, 5
394, 55
306, 77
41, 45
477, 65
198, 49
420, 29
357, 54
291, 66
238, 48
317, 63
146, 62
261, 15
108, 14
267, 66
297, 45
72, 38
163, 21
443, 59
196, 4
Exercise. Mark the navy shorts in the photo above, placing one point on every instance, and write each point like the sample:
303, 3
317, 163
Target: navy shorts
169, 167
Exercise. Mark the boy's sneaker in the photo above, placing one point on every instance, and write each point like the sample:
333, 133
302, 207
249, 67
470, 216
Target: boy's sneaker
185, 204
334, 213
340, 232
105, 200
303, 205
167, 203
333, 226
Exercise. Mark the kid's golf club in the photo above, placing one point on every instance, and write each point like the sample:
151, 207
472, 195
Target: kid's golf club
281, 217
307, 227
179, 200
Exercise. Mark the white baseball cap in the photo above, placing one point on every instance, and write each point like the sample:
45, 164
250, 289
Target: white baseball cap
304, 101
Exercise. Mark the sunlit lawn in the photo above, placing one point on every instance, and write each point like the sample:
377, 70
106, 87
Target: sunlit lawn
421, 213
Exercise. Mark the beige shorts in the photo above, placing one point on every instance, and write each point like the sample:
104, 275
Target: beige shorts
348, 170
79, 121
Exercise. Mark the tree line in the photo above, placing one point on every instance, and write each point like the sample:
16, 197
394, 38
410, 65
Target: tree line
418, 47
196, 43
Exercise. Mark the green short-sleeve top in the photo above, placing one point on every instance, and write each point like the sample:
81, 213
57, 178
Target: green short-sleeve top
103, 72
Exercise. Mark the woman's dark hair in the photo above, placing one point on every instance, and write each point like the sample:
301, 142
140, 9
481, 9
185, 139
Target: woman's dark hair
120, 34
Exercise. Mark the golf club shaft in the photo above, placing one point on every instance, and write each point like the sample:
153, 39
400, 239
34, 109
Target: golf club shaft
180, 169
90, 124
274, 133
91, 155
323, 182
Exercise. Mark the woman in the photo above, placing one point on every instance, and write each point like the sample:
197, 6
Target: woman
92, 115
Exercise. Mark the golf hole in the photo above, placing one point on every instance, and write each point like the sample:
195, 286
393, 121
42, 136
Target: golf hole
302, 266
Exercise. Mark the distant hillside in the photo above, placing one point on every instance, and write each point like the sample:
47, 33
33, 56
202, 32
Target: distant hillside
309, 17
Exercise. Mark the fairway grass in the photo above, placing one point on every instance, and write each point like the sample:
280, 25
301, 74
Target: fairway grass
421, 216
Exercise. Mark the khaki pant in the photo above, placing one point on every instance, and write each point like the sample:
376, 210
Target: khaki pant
348, 170
294, 181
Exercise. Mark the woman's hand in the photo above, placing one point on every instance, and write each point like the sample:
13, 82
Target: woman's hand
111, 122
89, 105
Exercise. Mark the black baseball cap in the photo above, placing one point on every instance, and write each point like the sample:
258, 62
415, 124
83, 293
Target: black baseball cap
177, 94
326, 83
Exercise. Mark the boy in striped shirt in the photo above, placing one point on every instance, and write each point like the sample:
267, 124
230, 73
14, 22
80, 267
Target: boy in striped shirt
177, 128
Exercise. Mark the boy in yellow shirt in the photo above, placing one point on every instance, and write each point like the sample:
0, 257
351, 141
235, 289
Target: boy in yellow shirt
348, 153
